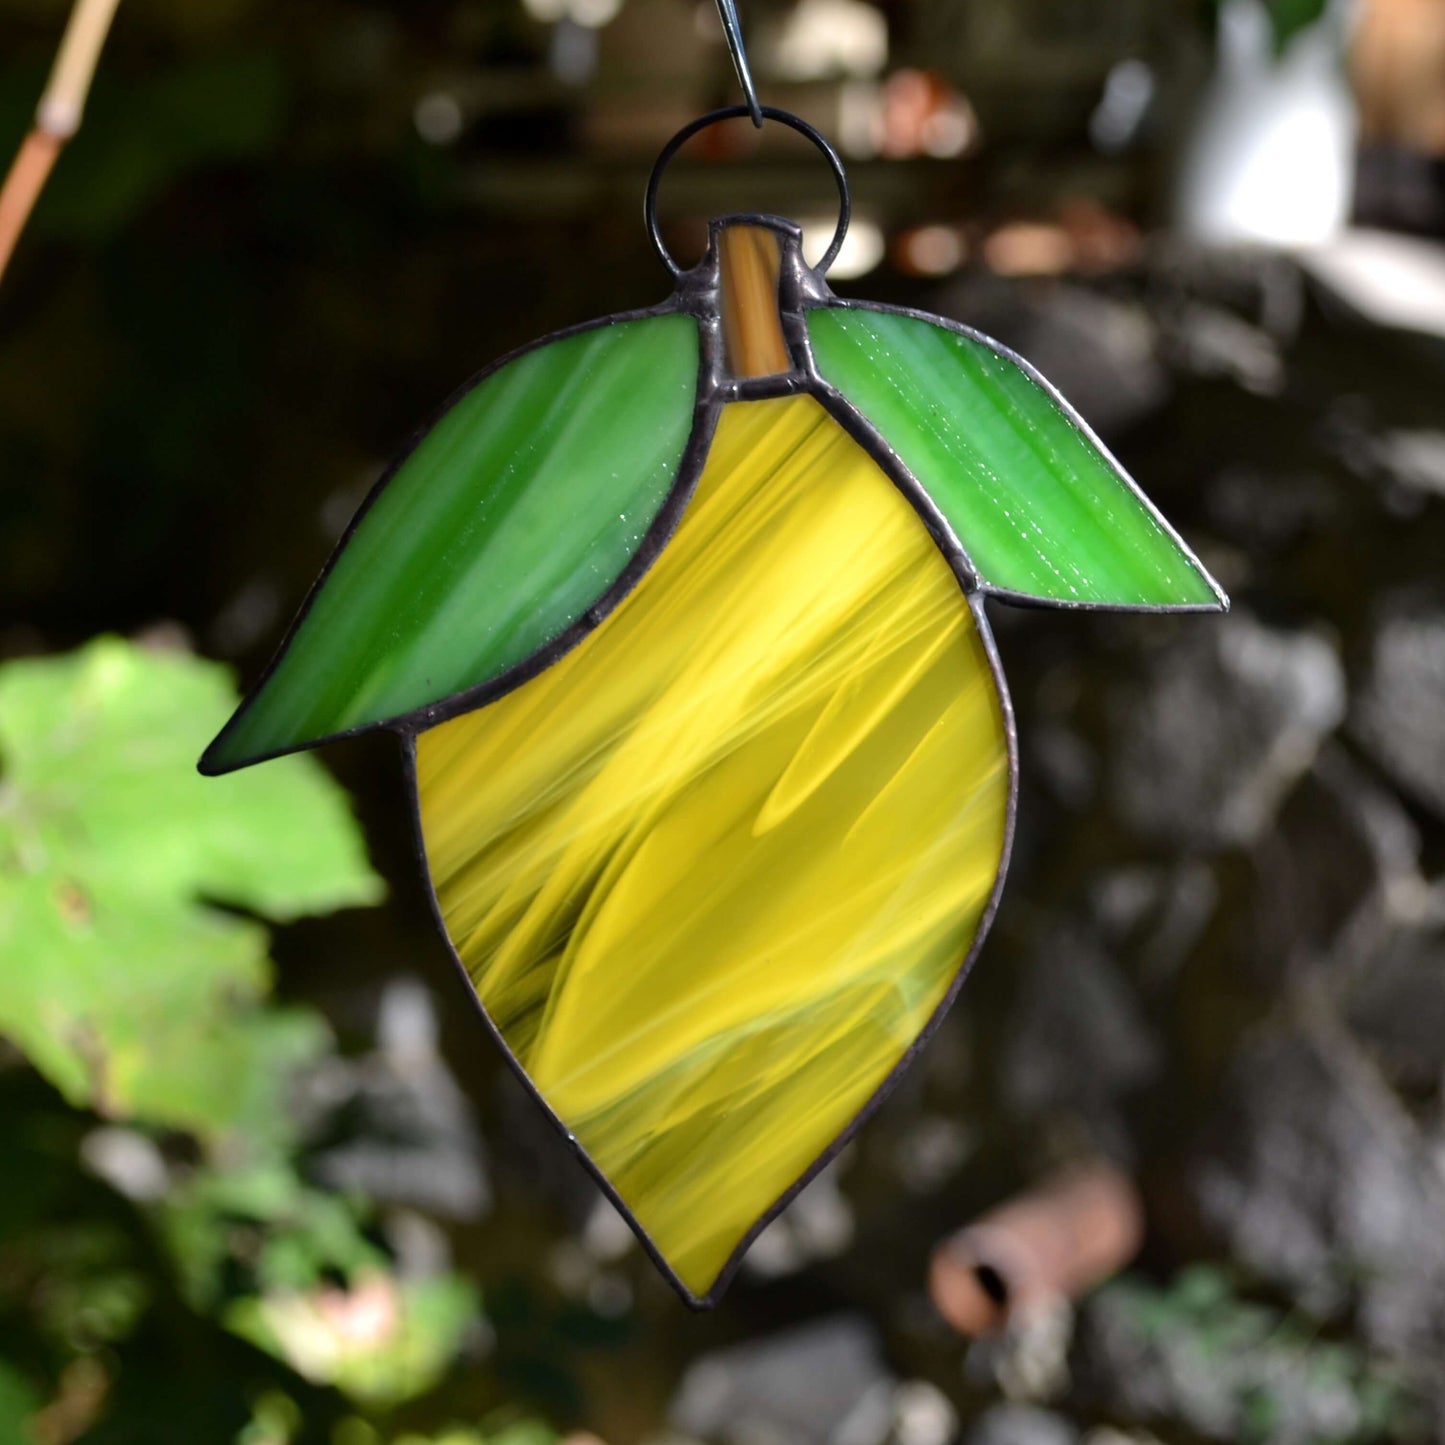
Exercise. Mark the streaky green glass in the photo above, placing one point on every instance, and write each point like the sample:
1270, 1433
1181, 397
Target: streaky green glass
1039, 507
513, 515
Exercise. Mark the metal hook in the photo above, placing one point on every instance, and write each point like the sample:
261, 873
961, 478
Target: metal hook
727, 11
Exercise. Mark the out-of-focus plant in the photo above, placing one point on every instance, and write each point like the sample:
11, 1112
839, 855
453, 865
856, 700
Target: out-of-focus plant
277, 1420
126, 985
381, 1340
1235, 1368
18, 1403
136, 982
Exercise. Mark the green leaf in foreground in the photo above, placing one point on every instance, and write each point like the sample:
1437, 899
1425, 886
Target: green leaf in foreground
121, 980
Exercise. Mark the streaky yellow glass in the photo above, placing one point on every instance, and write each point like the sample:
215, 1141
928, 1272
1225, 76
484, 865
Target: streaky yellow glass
713, 871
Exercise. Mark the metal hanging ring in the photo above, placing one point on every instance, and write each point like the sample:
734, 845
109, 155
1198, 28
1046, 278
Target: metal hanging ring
736, 112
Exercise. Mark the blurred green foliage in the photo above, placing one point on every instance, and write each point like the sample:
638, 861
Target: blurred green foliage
333, 1335
140, 997
1268, 1375
1289, 17
17, 1403
163, 1194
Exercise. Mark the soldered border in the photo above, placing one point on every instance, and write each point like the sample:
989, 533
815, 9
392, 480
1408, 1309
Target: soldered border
801, 289
799, 285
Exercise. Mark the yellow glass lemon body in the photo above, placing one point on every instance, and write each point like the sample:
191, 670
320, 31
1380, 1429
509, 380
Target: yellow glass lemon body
714, 871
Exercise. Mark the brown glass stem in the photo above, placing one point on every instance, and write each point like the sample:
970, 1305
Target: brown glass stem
751, 260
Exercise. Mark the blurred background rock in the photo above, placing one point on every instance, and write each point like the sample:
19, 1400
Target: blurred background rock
283, 234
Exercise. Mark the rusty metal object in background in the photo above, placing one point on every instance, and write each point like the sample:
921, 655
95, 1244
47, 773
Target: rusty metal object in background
1050, 1244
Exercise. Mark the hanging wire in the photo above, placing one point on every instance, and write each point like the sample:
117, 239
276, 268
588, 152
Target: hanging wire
728, 13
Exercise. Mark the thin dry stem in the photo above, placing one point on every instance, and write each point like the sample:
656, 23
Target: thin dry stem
57, 117
27, 176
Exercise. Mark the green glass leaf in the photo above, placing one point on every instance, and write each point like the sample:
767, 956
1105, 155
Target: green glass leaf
135, 996
514, 514
1039, 506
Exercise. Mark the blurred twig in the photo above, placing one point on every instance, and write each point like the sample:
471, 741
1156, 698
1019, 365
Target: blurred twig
57, 117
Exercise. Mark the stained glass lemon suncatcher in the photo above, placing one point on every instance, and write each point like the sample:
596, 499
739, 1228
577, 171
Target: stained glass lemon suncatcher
680, 619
